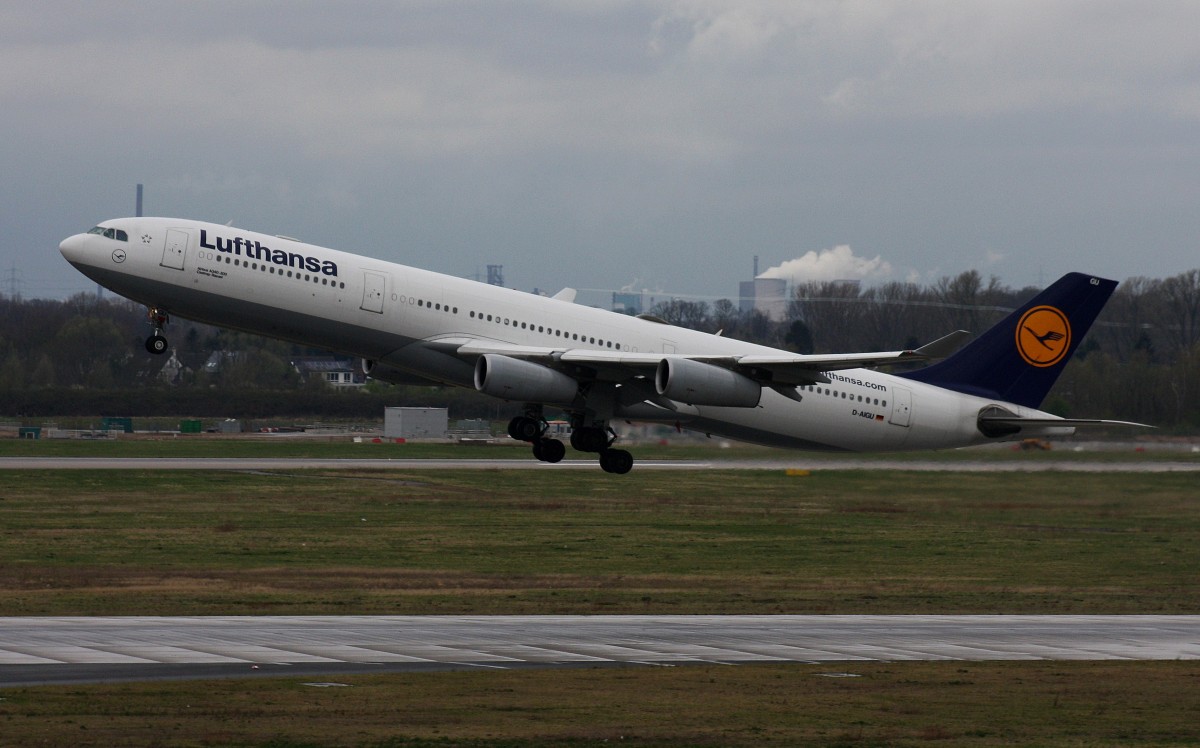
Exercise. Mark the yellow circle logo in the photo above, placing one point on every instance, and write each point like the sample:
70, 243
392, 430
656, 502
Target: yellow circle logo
1043, 336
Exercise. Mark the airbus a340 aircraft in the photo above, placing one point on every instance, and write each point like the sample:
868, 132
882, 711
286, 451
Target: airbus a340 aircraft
413, 326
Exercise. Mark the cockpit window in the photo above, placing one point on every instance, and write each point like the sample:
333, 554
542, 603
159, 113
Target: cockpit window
117, 234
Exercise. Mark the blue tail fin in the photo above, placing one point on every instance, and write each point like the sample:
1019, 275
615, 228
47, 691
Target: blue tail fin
1019, 359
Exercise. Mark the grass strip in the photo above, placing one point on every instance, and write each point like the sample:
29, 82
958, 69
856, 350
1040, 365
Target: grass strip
845, 704
569, 542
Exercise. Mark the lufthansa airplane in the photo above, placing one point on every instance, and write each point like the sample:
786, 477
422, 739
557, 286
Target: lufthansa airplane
413, 326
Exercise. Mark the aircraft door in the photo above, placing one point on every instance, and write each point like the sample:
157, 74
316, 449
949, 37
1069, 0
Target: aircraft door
175, 249
901, 406
374, 285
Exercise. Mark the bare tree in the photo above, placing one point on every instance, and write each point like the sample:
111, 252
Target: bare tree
1181, 299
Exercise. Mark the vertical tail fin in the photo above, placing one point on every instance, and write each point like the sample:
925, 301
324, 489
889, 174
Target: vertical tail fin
1019, 359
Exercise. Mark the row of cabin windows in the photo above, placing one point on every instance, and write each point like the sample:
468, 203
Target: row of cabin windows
436, 306
542, 329
264, 267
439, 307
844, 396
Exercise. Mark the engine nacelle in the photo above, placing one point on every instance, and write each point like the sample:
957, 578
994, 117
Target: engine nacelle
697, 383
514, 379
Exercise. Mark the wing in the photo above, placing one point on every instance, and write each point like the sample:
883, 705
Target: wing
780, 371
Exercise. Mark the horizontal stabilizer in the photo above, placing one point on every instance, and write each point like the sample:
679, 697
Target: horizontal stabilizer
1057, 422
944, 346
996, 423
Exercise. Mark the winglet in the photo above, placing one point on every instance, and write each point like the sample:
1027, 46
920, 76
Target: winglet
567, 295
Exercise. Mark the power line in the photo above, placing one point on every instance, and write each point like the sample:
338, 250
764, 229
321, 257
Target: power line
13, 282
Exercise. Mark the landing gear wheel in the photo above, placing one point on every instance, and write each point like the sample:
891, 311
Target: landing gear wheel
616, 461
549, 450
156, 344
524, 429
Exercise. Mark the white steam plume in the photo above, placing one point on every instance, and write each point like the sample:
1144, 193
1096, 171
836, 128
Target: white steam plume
834, 264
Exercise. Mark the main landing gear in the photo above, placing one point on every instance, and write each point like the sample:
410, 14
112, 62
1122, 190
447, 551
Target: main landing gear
157, 342
600, 439
532, 427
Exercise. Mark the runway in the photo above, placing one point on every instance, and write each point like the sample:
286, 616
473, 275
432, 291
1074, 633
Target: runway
76, 650
799, 463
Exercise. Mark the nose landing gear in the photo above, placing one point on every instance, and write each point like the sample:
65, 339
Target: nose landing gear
157, 342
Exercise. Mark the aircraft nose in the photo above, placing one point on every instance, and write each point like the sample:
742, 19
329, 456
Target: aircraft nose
72, 248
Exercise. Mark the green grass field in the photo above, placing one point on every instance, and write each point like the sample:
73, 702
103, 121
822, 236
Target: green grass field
886, 704
308, 542
561, 542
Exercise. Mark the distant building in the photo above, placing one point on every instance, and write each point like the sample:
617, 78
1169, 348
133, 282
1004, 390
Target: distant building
639, 302
337, 372
173, 370
627, 303
218, 359
765, 295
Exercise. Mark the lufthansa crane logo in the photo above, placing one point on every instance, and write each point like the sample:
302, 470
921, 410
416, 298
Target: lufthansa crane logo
1043, 336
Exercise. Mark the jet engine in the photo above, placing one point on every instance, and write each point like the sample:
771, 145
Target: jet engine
697, 383
514, 379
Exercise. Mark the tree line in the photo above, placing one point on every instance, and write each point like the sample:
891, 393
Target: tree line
85, 356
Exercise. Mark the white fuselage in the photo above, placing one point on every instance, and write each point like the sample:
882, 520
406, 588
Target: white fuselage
390, 314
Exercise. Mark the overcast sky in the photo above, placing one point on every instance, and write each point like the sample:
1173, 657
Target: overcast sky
604, 145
